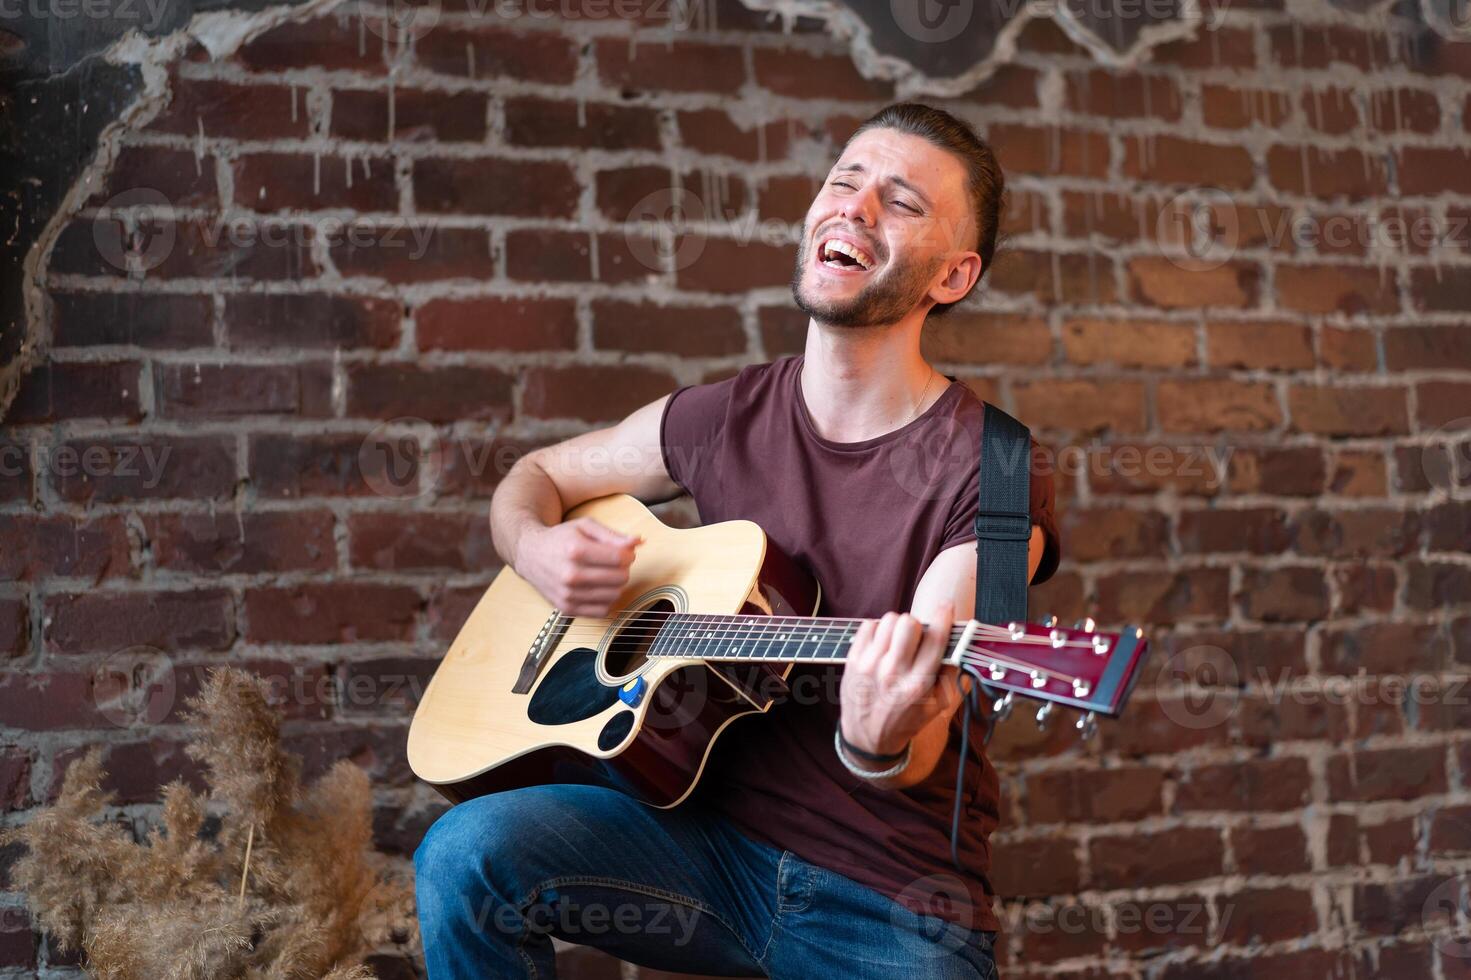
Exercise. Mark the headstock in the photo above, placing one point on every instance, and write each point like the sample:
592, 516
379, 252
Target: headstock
1079, 667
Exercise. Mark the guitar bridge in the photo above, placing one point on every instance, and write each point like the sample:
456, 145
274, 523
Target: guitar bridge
546, 641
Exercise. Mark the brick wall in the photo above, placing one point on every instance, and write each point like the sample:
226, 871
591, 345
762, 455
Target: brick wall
435, 245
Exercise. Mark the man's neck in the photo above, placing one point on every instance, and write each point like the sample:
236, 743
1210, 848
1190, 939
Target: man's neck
861, 382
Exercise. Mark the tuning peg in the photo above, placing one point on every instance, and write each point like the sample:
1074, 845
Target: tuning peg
1085, 624
1087, 726
1001, 707
1044, 715
1048, 620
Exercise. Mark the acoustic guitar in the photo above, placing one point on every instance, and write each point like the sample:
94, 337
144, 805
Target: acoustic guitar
707, 630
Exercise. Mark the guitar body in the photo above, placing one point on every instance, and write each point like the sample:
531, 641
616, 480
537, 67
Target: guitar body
525, 697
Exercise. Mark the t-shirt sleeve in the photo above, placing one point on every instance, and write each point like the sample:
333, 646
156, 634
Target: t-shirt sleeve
961, 527
690, 432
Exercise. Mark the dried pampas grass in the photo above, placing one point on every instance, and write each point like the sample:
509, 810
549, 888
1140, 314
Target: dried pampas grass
288, 887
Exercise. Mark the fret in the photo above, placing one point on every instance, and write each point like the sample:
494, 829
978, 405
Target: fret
764, 643
705, 646
730, 643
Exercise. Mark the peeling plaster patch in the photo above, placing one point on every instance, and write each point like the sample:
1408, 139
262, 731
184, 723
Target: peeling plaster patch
219, 32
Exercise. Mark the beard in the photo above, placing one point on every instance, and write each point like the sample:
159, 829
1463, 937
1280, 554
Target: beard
884, 299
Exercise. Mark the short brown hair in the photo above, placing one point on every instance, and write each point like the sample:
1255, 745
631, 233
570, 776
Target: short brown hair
986, 183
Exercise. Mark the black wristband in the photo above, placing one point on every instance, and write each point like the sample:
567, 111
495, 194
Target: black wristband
874, 757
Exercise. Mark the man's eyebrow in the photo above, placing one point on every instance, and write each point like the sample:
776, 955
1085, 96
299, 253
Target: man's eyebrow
858, 168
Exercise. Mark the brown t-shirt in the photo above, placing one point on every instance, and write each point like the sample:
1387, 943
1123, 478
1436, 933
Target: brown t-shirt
866, 518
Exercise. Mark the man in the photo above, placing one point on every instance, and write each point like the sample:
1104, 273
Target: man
802, 854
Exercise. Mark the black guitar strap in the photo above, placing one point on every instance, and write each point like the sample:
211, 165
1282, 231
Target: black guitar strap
1003, 534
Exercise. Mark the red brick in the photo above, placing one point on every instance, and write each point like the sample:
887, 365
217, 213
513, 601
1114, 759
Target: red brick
1163, 597
1440, 403
1049, 150
1074, 277
1267, 915
131, 318
1132, 343
185, 178
1270, 850
727, 266
35, 546
1096, 533
532, 121
1443, 348
57, 391
1122, 96
1255, 530
689, 331
207, 247
1362, 588
1355, 474
1316, 172
1118, 217
1286, 594
136, 772
106, 622
310, 320
537, 254
412, 252
1297, 471
414, 115
535, 56
336, 43
1296, 45
1253, 785
17, 940
421, 542
626, 193
713, 132
1387, 774
1344, 411
436, 394
964, 337
782, 198
1434, 170
511, 323
15, 778
269, 182
1228, 107
449, 608
201, 391
1176, 160
1405, 110
1336, 289
51, 701
1094, 796
1442, 288
14, 627
1226, 47
684, 67
1010, 85
384, 686
1356, 532
1217, 404
1348, 349
242, 542
1330, 110
1272, 346
1085, 406
338, 612
1159, 858
234, 111
1165, 282
805, 75
303, 465
110, 469
592, 393
489, 185
1040, 866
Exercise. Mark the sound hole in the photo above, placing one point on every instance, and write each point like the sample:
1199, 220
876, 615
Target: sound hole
629, 648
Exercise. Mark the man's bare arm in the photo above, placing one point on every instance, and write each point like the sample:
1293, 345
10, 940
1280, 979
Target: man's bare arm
579, 566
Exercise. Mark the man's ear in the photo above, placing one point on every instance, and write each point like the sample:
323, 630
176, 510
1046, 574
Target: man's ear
961, 277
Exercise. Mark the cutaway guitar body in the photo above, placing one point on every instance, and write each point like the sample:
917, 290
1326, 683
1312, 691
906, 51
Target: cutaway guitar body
526, 697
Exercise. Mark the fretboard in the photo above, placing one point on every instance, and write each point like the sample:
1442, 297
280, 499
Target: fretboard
755, 638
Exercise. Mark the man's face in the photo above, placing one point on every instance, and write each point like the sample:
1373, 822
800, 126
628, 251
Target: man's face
900, 202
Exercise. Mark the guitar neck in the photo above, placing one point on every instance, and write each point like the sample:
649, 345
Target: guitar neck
779, 639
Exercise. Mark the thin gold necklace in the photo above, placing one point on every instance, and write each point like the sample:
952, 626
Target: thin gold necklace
915, 413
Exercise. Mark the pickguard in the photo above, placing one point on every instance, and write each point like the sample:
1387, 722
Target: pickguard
570, 691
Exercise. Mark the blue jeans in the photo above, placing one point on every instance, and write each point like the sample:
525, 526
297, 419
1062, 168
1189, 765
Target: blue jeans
679, 890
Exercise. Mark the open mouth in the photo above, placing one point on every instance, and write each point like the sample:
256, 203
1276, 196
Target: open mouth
834, 253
